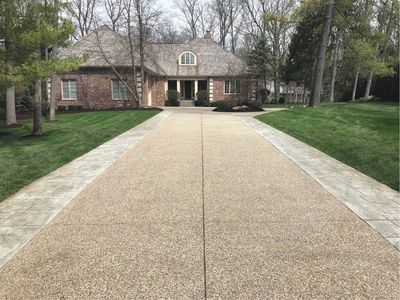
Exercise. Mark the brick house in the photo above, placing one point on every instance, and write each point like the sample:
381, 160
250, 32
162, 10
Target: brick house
198, 65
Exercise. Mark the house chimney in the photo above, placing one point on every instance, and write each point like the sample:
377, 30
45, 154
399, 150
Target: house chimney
208, 35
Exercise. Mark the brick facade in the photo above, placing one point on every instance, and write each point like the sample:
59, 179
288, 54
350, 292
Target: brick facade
94, 89
219, 90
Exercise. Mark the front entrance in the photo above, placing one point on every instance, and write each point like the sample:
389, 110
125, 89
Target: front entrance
187, 89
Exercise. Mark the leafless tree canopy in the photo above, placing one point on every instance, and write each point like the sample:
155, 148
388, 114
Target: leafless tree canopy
83, 13
113, 9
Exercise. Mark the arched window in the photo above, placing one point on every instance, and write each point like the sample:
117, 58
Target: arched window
187, 58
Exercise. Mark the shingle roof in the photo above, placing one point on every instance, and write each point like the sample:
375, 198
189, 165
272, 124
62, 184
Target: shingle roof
212, 60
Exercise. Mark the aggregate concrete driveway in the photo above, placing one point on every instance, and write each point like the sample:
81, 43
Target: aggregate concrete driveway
203, 207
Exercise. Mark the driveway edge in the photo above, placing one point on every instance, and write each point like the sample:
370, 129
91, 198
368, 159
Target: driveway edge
373, 202
25, 213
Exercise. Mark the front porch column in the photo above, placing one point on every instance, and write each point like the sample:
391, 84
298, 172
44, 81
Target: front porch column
196, 88
211, 90
178, 86
166, 90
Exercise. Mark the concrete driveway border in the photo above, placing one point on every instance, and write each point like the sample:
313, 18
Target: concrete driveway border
373, 202
25, 213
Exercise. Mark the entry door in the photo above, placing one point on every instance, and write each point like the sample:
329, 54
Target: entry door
188, 90
188, 94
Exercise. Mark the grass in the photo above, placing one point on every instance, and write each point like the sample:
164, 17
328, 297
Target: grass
283, 105
362, 135
25, 159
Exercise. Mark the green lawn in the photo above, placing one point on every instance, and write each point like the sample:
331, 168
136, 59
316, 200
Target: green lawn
283, 105
24, 159
362, 135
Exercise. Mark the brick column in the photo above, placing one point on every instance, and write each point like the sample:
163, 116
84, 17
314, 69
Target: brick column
196, 88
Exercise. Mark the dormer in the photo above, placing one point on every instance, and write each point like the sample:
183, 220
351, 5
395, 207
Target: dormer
187, 58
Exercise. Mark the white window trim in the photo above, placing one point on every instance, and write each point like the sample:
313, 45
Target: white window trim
236, 93
62, 89
112, 91
180, 59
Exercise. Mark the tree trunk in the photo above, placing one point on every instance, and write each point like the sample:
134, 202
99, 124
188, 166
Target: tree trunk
320, 65
53, 88
276, 89
11, 117
37, 97
37, 109
141, 49
334, 72
369, 82
53, 104
353, 96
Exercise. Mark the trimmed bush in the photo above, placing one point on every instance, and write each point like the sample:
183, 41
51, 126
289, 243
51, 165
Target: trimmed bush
173, 98
62, 108
202, 99
225, 105
237, 106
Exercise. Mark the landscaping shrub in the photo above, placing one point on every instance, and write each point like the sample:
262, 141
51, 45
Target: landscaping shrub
173, 98
237, 106
202, 99
254, 105
225, 105
63, 108
23, 102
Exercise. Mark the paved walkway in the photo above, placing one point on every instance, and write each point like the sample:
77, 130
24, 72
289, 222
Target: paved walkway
203, 207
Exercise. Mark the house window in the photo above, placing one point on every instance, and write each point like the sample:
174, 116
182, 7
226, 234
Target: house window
119, 90
69, 89
188, 58
232, 87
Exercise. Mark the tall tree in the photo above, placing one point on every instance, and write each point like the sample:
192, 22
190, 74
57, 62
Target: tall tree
9, 15
277, 27
334, 68
301, 51
387, 19
53, 78
37, 97
38, 33
113, 9
191, 12
316, 88
83, 13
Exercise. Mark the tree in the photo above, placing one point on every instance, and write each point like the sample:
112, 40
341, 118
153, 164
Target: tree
37, 33
114, 9
259, 61
301, 55
9, 15
387, 21
277, 26
316, 88
83, 15
191, 13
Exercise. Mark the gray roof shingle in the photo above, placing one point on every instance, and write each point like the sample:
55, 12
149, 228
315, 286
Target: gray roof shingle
212, 60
